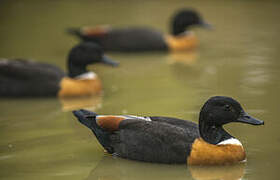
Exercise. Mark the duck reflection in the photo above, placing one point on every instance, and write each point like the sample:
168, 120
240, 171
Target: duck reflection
229, 172
89, 102
184, 66
113, 168
187, 58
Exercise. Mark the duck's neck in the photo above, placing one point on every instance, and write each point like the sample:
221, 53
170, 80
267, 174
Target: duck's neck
178, 29
213, 134
75, 70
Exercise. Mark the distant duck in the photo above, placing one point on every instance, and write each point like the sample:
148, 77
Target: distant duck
171, 140
139, 39
20, 78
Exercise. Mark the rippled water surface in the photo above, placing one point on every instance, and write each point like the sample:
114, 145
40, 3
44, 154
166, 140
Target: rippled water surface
40, 139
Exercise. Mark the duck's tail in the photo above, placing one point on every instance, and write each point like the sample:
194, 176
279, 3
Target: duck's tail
78, 32
74, 31
88, 119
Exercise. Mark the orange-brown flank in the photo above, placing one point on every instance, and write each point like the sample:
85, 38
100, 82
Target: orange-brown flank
181, 43
79, 87
110, 123
203, 153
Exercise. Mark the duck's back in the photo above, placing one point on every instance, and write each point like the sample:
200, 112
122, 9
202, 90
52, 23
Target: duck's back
28, 78
127, 39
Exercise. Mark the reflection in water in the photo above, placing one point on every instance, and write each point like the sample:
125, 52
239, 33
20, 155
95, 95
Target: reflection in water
183, 58
258, 72
188, 73
230, 172
89, 102
29, 106
25, 107
113, 168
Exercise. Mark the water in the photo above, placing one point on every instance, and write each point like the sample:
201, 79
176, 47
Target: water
40, 138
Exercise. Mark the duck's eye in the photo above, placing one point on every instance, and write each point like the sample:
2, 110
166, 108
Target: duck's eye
227, 107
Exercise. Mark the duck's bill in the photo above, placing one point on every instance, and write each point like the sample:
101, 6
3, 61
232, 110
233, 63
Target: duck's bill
206, 25
246, 118
109, 61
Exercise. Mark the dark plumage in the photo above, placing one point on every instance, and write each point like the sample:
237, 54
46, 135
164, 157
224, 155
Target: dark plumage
19, 77
164, 139
139, 38
128, 39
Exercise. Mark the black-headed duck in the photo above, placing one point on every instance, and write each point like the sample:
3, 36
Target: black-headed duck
171, 140
19, 77
137, 39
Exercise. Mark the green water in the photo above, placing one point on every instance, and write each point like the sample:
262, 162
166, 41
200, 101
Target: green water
40, 139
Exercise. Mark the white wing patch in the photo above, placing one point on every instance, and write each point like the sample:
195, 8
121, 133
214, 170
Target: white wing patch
137, 117
87, 75
129, 117
232, 141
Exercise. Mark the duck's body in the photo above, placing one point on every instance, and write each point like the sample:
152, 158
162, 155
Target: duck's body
21, 78
139, 39
166, 140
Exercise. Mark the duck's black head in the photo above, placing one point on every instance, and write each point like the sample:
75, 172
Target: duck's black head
84, 54
185, 18
216, 112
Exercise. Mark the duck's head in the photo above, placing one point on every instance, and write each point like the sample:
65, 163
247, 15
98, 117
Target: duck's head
84, 54
218, 111
185, 18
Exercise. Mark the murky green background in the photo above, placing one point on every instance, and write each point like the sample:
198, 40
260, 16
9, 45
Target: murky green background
40, 139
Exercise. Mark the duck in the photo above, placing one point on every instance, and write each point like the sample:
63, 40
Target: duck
141, 39
28, 78
158, 139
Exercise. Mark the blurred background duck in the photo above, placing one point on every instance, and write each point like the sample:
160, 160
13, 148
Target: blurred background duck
146, 39
19, 77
